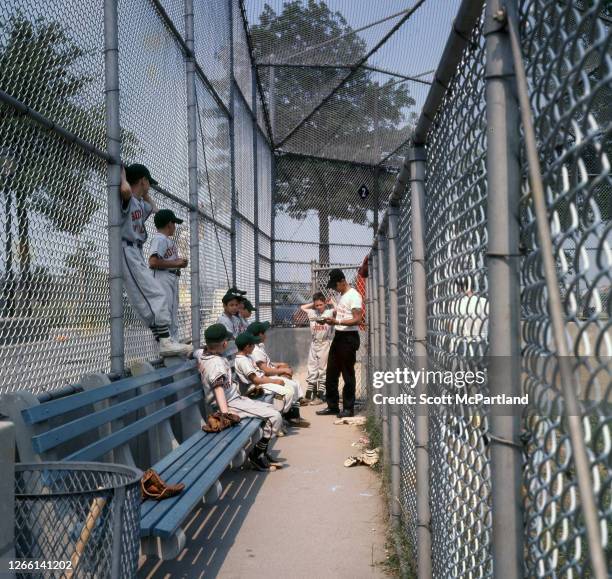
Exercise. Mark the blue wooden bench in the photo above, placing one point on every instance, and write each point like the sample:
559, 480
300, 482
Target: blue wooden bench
156, 409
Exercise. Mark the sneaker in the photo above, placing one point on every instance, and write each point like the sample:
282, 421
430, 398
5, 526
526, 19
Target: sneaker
259, 462
317, 401
168, 347
278, 463
346, 413
303, 402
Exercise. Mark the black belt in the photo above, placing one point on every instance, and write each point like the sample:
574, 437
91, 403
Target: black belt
175, 272
137, 244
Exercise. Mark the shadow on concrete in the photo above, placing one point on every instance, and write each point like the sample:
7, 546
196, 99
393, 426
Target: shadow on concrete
211, 530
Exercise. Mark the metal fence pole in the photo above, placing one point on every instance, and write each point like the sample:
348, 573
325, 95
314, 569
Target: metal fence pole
374, 319
417, 160
113, 180
273, 237
194, 218
393, 362
232, 137
503, 190
255, 190
382, 342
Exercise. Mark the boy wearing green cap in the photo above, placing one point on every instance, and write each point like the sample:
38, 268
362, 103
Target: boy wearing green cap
248, 373
217, 378
166, 264
245, 310
229, 318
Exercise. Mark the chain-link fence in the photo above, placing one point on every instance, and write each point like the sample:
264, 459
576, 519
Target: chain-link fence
504, 494
56, 66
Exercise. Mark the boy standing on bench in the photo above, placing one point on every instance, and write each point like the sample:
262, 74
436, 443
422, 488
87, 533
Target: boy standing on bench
248, 373
216, 375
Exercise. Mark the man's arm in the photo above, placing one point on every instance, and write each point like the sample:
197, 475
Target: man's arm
354, 321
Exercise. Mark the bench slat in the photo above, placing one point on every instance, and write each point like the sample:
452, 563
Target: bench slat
54, 408
101, 447
70, 430
189, 465
166, 518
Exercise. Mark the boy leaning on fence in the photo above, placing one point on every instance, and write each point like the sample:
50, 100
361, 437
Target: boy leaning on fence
146, 295
166, 264
216, 375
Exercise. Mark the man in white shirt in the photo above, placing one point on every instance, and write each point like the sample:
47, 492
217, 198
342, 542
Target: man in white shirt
343, 350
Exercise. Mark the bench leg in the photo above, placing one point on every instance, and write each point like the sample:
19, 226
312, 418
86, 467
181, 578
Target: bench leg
213, 494
238, 460
164, 549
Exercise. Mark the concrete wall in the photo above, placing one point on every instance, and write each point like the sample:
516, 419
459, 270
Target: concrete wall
289, 345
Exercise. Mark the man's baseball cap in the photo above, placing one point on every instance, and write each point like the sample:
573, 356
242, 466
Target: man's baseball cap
136, 171
165, 216
216, 334
231, 294
245, 339
257, 328
248, 305
335, 275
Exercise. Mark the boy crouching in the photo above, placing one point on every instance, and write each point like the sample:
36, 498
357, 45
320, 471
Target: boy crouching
216, 376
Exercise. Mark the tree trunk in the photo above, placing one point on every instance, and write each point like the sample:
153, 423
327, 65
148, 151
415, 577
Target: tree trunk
324, 236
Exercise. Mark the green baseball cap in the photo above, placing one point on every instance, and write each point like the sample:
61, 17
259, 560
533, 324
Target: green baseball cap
216, 334
165, 216
231, 294
136, 171
258, 328
248, 305
245, 339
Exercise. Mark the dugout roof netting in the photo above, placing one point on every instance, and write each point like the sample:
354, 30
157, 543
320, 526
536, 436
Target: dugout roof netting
345, 79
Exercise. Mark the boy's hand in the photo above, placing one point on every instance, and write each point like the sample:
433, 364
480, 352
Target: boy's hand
278, 381
183, 262
124, 186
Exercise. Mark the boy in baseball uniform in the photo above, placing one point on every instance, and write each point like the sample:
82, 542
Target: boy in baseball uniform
322, 335
245, 310
144, 292
216, 375
229, 318
280, 369
250, 375
166, 264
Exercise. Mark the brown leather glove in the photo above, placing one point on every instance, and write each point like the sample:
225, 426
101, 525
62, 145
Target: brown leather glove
255, 392
218, 421
153, 487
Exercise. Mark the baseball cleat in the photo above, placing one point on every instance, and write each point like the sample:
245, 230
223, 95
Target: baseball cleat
168, 347
298, 422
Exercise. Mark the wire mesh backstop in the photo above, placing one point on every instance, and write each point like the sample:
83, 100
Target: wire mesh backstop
466, 161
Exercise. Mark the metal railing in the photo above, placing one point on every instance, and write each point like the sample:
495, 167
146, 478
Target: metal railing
83, 88
506, 271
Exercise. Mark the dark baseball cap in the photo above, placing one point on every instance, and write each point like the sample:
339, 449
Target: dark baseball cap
335, 275
245, 339
165, 216
257, 328
136, 171
248, 305
216, 334
238, 291
231, 294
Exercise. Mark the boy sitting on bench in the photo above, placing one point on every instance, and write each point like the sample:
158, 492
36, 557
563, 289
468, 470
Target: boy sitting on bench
248, 373
216, 376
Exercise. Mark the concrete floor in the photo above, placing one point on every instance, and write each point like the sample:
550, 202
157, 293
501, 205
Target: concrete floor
313, 518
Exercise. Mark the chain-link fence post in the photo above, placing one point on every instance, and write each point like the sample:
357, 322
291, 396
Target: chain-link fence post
382, 342
417, 159
273, 238
503, 190
113, 144
394, 418
374, 320
232, 138
192, 152
255, 190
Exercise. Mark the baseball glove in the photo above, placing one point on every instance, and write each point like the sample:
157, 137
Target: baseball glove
153, 487
219, 421
255, 392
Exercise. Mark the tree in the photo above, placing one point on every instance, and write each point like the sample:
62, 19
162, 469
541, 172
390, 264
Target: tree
364, 110
40, 65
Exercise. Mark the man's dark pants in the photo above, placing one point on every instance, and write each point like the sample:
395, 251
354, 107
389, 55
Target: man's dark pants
341, 360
